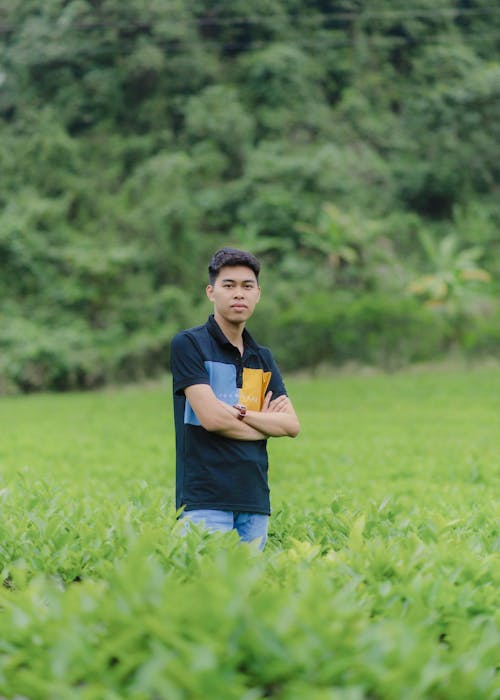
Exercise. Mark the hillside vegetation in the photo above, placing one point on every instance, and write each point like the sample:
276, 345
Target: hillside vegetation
354, 146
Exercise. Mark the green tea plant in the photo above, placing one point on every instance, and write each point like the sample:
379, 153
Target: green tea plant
380, 581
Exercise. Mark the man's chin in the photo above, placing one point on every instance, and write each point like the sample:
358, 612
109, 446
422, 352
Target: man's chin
239, 316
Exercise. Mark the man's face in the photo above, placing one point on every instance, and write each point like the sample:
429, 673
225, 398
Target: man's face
234, 293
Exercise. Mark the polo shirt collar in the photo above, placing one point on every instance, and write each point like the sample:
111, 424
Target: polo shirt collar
215, 331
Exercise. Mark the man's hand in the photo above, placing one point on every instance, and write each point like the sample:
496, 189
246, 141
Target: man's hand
276, 418
280, 405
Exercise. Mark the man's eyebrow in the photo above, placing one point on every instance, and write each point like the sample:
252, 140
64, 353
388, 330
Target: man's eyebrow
230, 279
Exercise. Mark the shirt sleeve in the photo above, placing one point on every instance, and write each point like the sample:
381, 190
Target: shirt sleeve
186, 363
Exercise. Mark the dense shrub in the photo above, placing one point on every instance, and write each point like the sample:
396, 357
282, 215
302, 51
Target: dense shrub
482, 336
321, 329
371, 329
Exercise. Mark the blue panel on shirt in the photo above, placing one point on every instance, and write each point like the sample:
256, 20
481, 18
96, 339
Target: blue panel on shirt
222, 378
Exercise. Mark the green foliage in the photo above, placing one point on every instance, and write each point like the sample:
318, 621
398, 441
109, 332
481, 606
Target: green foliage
370, 329
452, 271
329, 138
368, 587
216, 120
449, 120
278, 82
482, 336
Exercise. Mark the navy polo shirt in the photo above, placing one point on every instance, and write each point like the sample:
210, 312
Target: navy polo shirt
213, 471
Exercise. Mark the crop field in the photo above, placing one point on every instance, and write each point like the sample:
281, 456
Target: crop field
380, 580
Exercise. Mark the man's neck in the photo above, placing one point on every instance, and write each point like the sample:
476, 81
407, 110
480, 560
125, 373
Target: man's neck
232, 331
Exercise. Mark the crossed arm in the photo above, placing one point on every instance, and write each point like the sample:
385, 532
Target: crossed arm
277, 417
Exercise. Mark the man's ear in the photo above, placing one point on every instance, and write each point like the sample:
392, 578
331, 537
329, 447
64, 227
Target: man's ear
210, 292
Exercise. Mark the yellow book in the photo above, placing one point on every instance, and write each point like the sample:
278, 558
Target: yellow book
253, 391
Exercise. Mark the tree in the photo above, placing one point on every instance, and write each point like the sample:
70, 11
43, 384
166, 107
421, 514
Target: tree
454, 270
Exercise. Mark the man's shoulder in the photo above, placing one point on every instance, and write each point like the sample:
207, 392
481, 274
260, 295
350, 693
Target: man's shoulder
188, 350
194, 332
265, 352
266, 358
262, 350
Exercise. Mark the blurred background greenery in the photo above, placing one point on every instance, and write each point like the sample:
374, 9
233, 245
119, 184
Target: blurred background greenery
353, 145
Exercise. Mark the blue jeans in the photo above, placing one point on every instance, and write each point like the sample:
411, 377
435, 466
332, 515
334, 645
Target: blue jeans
250, 526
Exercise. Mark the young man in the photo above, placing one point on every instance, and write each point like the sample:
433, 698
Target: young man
229, 397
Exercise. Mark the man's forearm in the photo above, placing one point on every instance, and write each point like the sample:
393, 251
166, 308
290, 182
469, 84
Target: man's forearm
273, 424
242, 431
277, 418
236, 429
258, 425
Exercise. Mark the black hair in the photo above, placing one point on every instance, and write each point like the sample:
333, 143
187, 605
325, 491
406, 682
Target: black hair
232, 257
